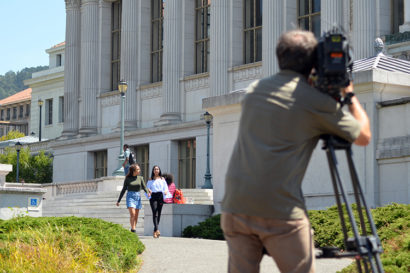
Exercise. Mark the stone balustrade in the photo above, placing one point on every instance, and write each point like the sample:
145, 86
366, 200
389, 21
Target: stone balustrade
103, 184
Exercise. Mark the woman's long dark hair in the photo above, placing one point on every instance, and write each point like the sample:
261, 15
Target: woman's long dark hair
169, 178
152, 172
131, 170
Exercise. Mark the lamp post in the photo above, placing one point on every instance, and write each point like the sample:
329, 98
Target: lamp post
208, 184
122, 87
40, 104
18, 148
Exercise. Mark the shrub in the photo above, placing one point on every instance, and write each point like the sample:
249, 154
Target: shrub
13, 134
32, 168
208, 229
392, 223
67, 244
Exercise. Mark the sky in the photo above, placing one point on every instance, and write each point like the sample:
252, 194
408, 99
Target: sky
28, 28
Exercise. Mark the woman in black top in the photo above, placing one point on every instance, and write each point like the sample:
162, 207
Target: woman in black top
133, 183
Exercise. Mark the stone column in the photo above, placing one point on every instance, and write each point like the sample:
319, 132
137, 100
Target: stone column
172, 67
72, 68
274, 24
406, 25
219, 55
331, 15
364, 29
89, 67
129, 60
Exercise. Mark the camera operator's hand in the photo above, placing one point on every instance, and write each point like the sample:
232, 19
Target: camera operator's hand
347, 89
360, 115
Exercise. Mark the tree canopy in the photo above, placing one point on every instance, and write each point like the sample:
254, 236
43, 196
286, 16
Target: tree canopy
12, 82
12, 135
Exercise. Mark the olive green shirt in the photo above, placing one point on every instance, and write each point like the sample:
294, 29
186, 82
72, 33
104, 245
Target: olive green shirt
281, 122
133, 183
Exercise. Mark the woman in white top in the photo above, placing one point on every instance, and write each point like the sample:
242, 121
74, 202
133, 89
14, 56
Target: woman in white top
158, 188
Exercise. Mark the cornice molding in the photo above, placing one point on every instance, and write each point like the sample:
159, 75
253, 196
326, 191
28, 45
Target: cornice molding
247, 73
196, 83
110, 100
150, 93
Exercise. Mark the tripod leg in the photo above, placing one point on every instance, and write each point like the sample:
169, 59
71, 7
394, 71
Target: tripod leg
374, 258
332, 167
356, 190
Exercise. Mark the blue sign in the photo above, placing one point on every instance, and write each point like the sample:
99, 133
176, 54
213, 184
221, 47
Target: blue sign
33, 202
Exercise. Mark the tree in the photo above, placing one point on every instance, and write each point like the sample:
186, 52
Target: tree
33, 169
12, 82
13, 134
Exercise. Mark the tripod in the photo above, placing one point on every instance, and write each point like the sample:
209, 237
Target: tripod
364, 246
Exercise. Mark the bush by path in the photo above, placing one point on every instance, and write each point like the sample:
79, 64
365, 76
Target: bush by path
67, 244
392, 223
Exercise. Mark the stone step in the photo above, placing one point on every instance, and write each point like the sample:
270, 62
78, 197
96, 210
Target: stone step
102, 205
105, 195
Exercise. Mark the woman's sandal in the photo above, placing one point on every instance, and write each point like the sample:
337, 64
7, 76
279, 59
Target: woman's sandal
155, 234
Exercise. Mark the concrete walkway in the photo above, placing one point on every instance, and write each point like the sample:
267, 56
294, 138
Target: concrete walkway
176, 255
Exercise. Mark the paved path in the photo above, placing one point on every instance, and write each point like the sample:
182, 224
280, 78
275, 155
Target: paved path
176, 255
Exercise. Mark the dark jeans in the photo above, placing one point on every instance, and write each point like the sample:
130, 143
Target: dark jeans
156, 203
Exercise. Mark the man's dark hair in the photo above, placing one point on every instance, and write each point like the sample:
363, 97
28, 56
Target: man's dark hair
296, 51
126, 146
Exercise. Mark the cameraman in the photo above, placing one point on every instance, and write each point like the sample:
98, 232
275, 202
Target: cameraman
281, 122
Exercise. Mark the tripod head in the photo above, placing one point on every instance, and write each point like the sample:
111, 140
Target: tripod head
336, 142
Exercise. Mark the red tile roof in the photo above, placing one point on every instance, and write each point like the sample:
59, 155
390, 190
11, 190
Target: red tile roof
19, 96
57, 45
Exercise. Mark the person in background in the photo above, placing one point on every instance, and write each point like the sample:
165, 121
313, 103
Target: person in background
133, 183
158, 188
126, 163
169, 178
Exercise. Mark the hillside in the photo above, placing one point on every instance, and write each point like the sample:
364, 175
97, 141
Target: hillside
12, 82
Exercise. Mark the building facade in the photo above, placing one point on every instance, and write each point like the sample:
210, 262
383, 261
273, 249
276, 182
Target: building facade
15, 113
47, 97
173, 54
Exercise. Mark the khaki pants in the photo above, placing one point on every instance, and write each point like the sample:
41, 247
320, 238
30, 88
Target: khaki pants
288, 242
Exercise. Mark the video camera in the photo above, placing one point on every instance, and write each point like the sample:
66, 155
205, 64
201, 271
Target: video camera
333, 64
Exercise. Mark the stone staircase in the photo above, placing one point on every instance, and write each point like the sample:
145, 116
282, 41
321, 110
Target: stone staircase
102, 205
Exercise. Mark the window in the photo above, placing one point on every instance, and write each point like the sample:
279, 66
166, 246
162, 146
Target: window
397, 15
309, 16
142, 159
27, 110
100, 164
14, 112
186, 163
202, 17
49, 111
253, 31
115, 44
58, 60
61, 109
157, 35
21, 111
2, 114
8, 113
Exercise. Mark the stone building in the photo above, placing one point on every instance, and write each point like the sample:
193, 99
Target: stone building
175, 55
48, 90
15, 113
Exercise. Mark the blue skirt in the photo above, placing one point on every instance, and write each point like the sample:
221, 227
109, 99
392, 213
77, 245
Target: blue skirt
134, 200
